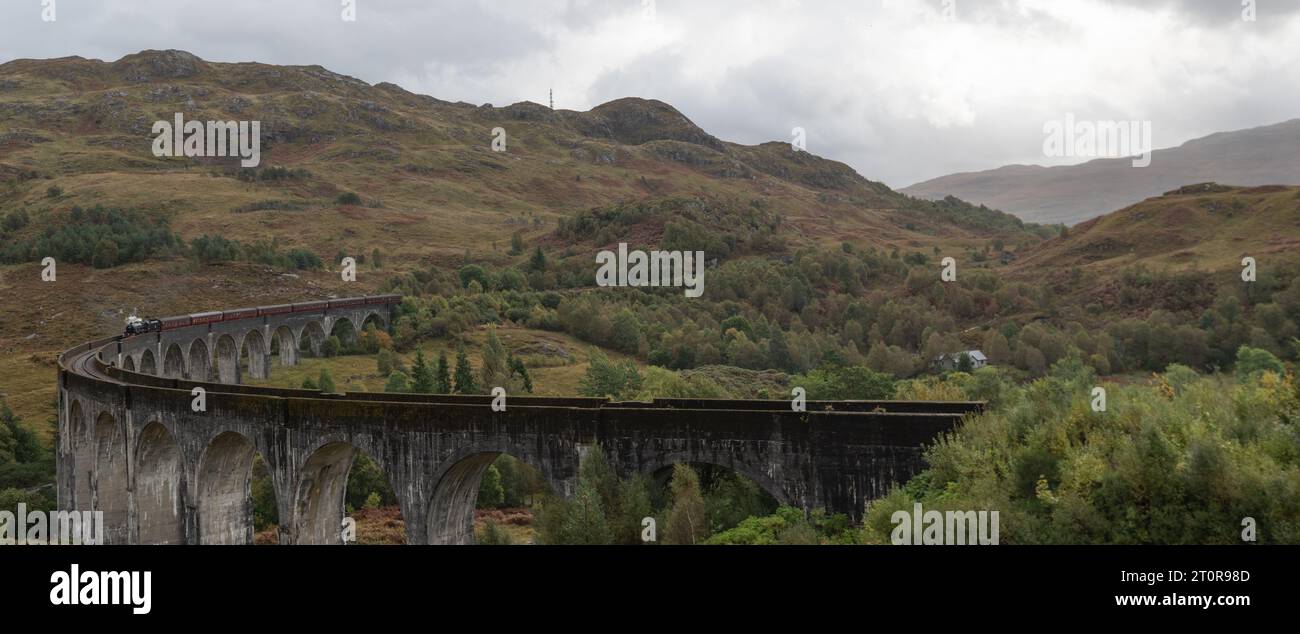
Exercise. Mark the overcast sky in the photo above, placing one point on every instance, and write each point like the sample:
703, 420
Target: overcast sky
902, 90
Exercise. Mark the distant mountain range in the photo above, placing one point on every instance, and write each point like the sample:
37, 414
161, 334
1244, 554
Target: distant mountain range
1069, 194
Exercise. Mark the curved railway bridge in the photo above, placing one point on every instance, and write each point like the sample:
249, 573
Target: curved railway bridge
132, 446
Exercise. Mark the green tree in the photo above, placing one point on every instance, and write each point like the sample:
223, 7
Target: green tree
422, 378
495, 371
759, 531
996, 347
384, 362
465, 383
490, 492
511, 493
266, 513
442, 375
1251, 362
729, 498
397, 383
538, 260
518, 369
105, 254
17, 442
964, 363
778, 351
367, 480
687, 521
326, 381
596, 471
635, 504
585, 522
626, 331
370, 338
606, 378
832, 381
473, 273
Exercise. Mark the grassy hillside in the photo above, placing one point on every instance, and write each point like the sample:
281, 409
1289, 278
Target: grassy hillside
429, 184
1209, 227
75, 134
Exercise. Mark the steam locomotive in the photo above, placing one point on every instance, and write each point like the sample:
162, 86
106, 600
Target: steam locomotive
137, 326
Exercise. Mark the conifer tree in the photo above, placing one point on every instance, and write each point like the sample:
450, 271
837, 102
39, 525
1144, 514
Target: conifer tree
422, 380
465, 383
517, 368
442, 375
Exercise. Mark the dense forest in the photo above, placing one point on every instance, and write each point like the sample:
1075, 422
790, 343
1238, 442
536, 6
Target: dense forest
890, 312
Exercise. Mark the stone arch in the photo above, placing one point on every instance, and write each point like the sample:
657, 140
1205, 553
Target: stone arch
283, 342
83, 459
319, 494
376, 318
346, 331
758, 476
200, 366
224, 506
367, 320
227, 354
312, 338
128, 363
110, 483
451, 507
148, 365
159, 483
174, 362
253, 347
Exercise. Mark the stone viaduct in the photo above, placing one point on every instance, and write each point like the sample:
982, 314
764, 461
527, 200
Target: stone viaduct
132, 445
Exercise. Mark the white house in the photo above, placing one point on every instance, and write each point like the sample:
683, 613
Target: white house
950, 362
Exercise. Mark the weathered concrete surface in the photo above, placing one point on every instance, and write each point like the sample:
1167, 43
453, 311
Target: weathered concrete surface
131, 446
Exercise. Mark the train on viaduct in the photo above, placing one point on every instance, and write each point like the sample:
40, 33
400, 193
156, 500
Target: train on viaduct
132, 445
